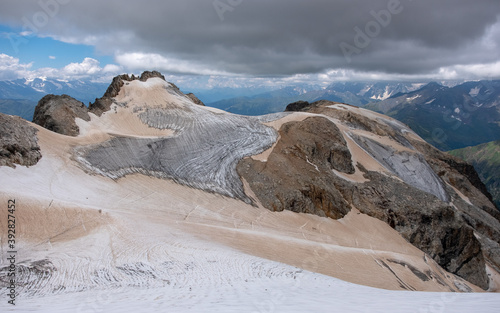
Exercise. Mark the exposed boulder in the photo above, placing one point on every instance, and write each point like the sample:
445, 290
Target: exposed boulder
58, 113
18, 142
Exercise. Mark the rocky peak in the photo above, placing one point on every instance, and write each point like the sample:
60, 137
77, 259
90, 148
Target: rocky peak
119, 81
147, 75
58, 113
103, 104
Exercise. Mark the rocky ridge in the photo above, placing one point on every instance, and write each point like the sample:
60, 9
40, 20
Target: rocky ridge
432, 199
18, 142
58, 113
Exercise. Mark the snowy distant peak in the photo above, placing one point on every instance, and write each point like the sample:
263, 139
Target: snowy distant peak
372, 91
474, 91
354, 93
300, 90
465, 114
434, 86
29, 81
35, 88
479, 92
384, 92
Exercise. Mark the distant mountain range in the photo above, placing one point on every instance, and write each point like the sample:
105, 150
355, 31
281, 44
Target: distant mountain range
266, 102
448, 117
486, 160
355, 93
19, 97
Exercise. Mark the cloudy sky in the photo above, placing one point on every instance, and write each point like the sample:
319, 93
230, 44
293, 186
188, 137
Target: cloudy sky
287, 40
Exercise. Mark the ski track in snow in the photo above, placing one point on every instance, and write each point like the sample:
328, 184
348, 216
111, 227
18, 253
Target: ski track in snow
169, 271
254, 286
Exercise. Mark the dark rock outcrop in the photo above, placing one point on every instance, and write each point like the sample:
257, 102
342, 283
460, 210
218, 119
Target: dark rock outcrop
18, 142
150, 74
195, 99
296, 176
58, 113
426, 222
469, 172
297, 106
104, 103
101, 105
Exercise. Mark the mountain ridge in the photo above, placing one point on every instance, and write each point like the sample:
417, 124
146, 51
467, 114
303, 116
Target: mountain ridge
327, 182
449, 117
355, 93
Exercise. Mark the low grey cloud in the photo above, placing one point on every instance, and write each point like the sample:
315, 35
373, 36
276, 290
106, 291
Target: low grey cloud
279, 37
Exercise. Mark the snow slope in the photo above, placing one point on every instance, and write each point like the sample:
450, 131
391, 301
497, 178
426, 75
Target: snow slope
92, 242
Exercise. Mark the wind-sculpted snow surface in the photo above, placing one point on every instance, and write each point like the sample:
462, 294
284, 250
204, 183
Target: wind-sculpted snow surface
202, 154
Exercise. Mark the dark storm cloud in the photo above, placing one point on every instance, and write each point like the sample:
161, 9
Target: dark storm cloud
280, 37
